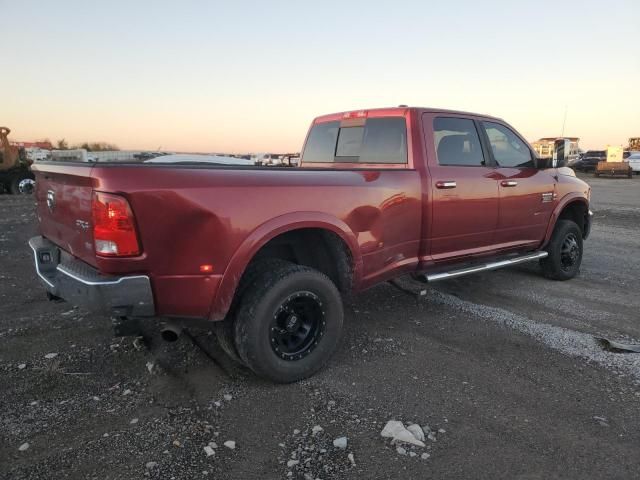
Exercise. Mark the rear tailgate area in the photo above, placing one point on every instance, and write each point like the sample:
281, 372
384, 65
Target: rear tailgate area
63, 194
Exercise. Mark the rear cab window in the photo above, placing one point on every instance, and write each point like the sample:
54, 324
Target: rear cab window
377, 140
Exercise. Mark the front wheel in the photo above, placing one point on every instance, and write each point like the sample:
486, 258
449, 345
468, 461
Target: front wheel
565, 252
289, 323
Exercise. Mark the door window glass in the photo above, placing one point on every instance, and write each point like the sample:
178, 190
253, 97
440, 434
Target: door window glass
508, 149
457, 142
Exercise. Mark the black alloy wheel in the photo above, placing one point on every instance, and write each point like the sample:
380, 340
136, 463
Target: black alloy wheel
297, 326
570, 252
564, 251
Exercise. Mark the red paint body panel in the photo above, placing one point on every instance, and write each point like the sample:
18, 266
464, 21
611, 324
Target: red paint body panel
392, 217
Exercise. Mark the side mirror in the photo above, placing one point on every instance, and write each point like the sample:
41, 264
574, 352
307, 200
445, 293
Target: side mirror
561, 150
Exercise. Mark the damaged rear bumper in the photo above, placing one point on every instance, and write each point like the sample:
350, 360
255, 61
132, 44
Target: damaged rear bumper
80, 284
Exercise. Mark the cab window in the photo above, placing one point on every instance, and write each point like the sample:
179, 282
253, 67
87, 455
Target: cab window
508, 150
457, 142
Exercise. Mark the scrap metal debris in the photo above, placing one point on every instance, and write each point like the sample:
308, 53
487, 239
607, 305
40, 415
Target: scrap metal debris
619, 347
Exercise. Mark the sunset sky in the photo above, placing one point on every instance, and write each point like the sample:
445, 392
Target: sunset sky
249, 76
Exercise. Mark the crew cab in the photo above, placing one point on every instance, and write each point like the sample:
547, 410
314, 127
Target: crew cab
265, 256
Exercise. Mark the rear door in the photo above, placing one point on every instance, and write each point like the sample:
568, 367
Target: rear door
527, 194
63, 194
464, 211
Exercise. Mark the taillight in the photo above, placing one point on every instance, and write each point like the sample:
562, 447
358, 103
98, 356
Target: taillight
114, 229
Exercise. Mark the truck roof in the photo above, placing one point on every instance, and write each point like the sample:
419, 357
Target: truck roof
392, 112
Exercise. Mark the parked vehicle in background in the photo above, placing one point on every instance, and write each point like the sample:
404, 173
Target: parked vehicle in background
545, 148
270, 159
590, 160
70, 155
267, 254
614, 164
634, 162
15, 172
37, 154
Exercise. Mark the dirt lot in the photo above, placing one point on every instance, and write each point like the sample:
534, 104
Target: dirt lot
503, 365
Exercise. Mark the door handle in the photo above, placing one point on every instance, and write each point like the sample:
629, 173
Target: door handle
446, 184
508, 183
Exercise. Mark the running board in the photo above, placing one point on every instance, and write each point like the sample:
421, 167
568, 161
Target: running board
484, 267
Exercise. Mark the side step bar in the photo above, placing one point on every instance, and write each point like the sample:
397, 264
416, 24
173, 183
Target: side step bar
484, 267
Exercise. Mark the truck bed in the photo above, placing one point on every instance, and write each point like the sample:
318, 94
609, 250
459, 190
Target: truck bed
193, 215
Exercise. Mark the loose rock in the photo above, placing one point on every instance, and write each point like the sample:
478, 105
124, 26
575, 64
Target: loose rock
340, 442
230, 444
416, 431
151, 465
49, 356
209, 451
398, 434
401, 451
317, 429
351, 459
292, 463
22, 366
23, 447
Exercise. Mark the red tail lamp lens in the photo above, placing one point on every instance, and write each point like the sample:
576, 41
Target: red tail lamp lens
114, 229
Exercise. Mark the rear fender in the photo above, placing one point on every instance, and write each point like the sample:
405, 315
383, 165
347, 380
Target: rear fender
267, 231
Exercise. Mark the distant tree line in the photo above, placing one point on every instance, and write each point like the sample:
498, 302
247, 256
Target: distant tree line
88, 146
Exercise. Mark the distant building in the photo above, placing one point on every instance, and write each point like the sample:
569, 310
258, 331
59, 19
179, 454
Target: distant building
544, 146
634, 144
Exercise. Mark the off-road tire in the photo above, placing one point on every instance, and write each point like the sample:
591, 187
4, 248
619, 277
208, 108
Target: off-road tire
555, 265
225, 329
263, 304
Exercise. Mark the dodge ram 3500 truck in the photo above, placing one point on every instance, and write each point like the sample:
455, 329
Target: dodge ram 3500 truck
267, 254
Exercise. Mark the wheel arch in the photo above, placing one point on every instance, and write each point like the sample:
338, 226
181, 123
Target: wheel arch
333, 231
573, 207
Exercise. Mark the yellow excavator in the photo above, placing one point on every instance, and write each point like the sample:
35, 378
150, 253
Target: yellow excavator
15, 174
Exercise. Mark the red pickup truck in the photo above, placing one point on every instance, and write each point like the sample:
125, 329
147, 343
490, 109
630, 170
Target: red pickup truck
267, 254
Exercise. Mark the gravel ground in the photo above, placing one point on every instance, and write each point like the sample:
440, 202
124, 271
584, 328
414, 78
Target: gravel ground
502, 367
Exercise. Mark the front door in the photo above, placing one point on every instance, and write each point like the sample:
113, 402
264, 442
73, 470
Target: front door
464, 210
527, 194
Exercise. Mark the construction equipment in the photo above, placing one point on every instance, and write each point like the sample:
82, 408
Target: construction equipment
614, 164
15, 174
